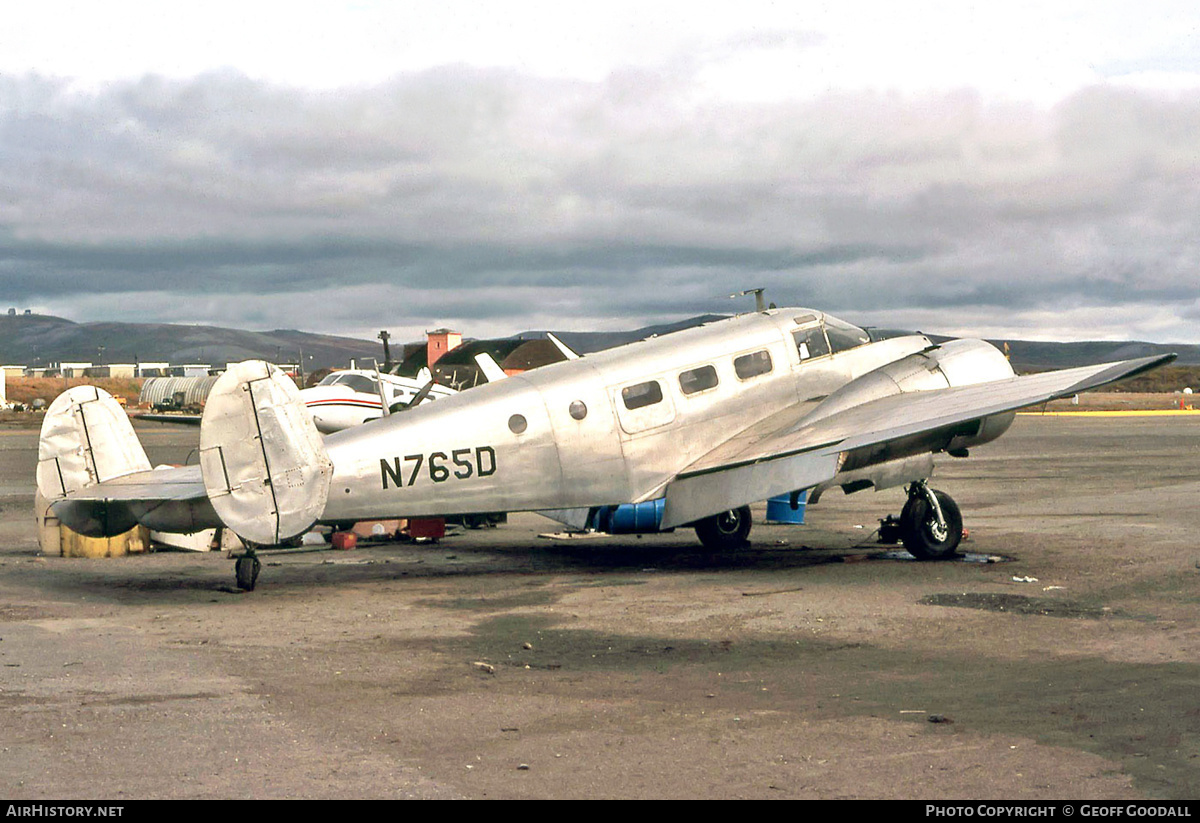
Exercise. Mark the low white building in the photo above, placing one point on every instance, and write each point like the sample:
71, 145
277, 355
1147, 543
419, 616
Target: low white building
68, 369
191, 370
113, 370
153, 369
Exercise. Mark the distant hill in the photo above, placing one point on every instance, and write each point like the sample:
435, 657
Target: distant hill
1031, 355
33, 339
38, 339
592, 341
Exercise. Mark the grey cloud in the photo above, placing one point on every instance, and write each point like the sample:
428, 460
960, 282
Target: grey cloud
621, 198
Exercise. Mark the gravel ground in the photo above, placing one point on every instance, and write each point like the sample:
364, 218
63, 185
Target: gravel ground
501, 664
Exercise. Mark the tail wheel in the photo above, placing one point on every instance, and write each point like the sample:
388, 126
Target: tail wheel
245, 570
922, 534
725, 531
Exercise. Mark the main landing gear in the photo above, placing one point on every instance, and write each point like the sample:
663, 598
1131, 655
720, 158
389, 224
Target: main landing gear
929, 526
724, 531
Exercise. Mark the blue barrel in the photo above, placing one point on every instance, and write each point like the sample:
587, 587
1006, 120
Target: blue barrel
640, 518
779, 509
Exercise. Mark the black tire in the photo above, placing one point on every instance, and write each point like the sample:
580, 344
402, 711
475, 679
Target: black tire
245, 569
919, 532
725, 531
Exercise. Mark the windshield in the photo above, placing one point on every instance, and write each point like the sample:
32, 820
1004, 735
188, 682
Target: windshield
843, 335
357, 382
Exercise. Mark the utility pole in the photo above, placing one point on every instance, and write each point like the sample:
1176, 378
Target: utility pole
387, 352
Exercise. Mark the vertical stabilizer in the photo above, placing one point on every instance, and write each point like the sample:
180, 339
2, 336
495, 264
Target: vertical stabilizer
490, 368
264, 464
86, 439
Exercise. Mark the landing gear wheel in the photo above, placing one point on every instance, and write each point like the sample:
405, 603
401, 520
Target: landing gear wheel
246, 569
725, 531
922, 534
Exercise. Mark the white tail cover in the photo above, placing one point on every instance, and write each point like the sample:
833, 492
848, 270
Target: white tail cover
264, 464
86, 439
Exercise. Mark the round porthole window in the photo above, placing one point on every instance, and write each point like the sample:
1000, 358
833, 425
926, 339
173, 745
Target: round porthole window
577, 409
517, 423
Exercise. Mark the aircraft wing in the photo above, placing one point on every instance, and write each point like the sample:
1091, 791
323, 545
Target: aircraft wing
779, 455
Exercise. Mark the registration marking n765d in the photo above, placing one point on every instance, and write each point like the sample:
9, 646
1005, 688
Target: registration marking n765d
462, 464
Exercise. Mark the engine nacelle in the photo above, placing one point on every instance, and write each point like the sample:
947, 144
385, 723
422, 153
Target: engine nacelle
951, 364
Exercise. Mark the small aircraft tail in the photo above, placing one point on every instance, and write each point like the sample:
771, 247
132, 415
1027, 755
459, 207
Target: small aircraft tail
490, 368
265, 467
567, 351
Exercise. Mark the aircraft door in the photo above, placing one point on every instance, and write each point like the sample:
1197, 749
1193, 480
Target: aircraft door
588, 439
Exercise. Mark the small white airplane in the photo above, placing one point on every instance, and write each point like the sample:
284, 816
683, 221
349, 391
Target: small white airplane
356, 396
694, 426
351, 397
346, 398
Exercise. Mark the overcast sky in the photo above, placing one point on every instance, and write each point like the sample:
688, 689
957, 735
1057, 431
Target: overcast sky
1024, 170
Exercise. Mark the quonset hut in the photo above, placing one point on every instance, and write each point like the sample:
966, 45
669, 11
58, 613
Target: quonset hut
175, 392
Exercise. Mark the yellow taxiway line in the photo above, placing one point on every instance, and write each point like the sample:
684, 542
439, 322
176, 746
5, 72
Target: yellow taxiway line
1121, 413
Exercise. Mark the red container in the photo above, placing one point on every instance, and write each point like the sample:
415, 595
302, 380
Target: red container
433, 528
344, 540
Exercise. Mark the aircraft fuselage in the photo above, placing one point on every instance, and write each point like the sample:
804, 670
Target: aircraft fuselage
611, 428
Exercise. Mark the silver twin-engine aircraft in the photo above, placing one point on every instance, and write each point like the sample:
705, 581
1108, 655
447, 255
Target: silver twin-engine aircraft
692, 426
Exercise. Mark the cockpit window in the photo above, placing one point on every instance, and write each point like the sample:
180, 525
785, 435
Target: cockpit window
811, 343
843, 336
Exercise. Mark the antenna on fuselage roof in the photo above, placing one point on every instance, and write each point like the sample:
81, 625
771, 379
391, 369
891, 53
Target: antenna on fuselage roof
760, 304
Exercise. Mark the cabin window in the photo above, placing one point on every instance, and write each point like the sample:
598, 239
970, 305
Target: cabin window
694, 380
642, 395
752, 365
517, 423
811, 343
643, 407
843, 336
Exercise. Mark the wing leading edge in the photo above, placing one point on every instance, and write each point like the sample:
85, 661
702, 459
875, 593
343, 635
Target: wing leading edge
779, 456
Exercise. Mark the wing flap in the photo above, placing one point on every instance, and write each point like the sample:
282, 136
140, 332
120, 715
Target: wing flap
698, 495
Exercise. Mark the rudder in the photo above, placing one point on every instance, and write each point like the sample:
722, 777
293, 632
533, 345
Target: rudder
86, 439
264, 464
